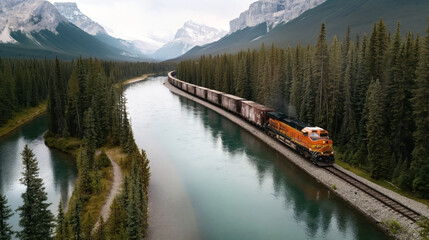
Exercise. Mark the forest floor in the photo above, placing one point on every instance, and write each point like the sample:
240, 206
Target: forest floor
21, 118
115, 188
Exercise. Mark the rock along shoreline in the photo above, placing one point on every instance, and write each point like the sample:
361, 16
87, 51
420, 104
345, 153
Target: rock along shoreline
380, 214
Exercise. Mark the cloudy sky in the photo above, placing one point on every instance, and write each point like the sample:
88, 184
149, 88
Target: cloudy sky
158, 19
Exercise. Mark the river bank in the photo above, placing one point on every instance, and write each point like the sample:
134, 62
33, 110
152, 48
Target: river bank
381, 215
21, 118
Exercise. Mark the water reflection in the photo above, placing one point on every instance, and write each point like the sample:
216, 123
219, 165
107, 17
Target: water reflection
57, 170
238, 186
311, 202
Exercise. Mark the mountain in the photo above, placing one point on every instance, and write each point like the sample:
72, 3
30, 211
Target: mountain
360, 15
188, 36
272, 12
35, 29
73, 14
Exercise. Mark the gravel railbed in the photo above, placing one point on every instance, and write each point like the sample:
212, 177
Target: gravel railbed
376, 211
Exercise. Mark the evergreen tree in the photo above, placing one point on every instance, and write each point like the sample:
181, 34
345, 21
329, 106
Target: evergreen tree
36, 219
5, 213
101, 232
420, 165
60, 232
75, 219
321, 77
90, 136
378, 145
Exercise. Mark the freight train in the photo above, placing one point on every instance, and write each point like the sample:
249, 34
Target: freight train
311, 142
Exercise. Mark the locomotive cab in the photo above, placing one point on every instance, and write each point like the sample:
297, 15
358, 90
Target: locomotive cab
319, 144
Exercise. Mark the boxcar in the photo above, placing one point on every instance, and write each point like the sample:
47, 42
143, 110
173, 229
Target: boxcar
214, 96
201, 92
254, 112
232, 103
191, 89
185, 86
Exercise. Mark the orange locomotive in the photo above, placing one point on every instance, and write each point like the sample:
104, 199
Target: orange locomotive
312, 142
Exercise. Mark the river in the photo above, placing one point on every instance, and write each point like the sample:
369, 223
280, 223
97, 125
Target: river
210, 179
57, 169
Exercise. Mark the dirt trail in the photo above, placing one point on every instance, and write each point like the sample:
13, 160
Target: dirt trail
114, 190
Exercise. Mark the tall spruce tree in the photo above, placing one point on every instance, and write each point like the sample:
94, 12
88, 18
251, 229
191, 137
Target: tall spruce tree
321, 78
60, 231
5, 213
36, 219
420, 165
378, 145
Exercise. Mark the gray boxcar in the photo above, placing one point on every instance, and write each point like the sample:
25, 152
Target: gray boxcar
184, 86
214, 96
232, 103
254, 112
201, 92
191, 89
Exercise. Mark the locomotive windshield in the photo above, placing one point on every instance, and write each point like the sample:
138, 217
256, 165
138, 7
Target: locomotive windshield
314, 135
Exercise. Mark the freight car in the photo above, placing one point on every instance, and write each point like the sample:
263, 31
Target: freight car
311, 142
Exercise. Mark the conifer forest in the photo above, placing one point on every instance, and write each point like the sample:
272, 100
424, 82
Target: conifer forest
369, 92
86, 105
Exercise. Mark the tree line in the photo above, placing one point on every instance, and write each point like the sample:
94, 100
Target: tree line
24, 82
92, 107
85, 102
369, 92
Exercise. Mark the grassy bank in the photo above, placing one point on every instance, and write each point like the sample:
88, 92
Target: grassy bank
137, 79
93, 202
382, 183
21, 118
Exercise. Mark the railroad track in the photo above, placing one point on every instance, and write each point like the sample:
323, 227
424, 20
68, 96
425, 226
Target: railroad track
384, 199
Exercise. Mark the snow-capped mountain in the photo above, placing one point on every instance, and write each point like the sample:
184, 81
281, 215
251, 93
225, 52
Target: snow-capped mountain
72, 13
27, 16
187, 37
272, 12
35, 29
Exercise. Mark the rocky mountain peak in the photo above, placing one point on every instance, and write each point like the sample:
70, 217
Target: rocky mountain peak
72, 13
273, 12
27, 16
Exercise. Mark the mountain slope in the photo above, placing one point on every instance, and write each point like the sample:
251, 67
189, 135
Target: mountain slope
360, 15
72, 13
34, 28
272, 12
190, 35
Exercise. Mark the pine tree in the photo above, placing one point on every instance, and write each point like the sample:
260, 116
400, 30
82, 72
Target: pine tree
321, 77
84, 176
378, 145
36, 219
90, 136
420, 164
75, 219
101, 232
5, 213
60, 232
88, 226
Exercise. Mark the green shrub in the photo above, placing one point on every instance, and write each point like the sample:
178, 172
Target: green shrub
424, 228
394, 226
102, 161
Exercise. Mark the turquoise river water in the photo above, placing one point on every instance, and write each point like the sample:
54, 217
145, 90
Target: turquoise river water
213, 180
57, 169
